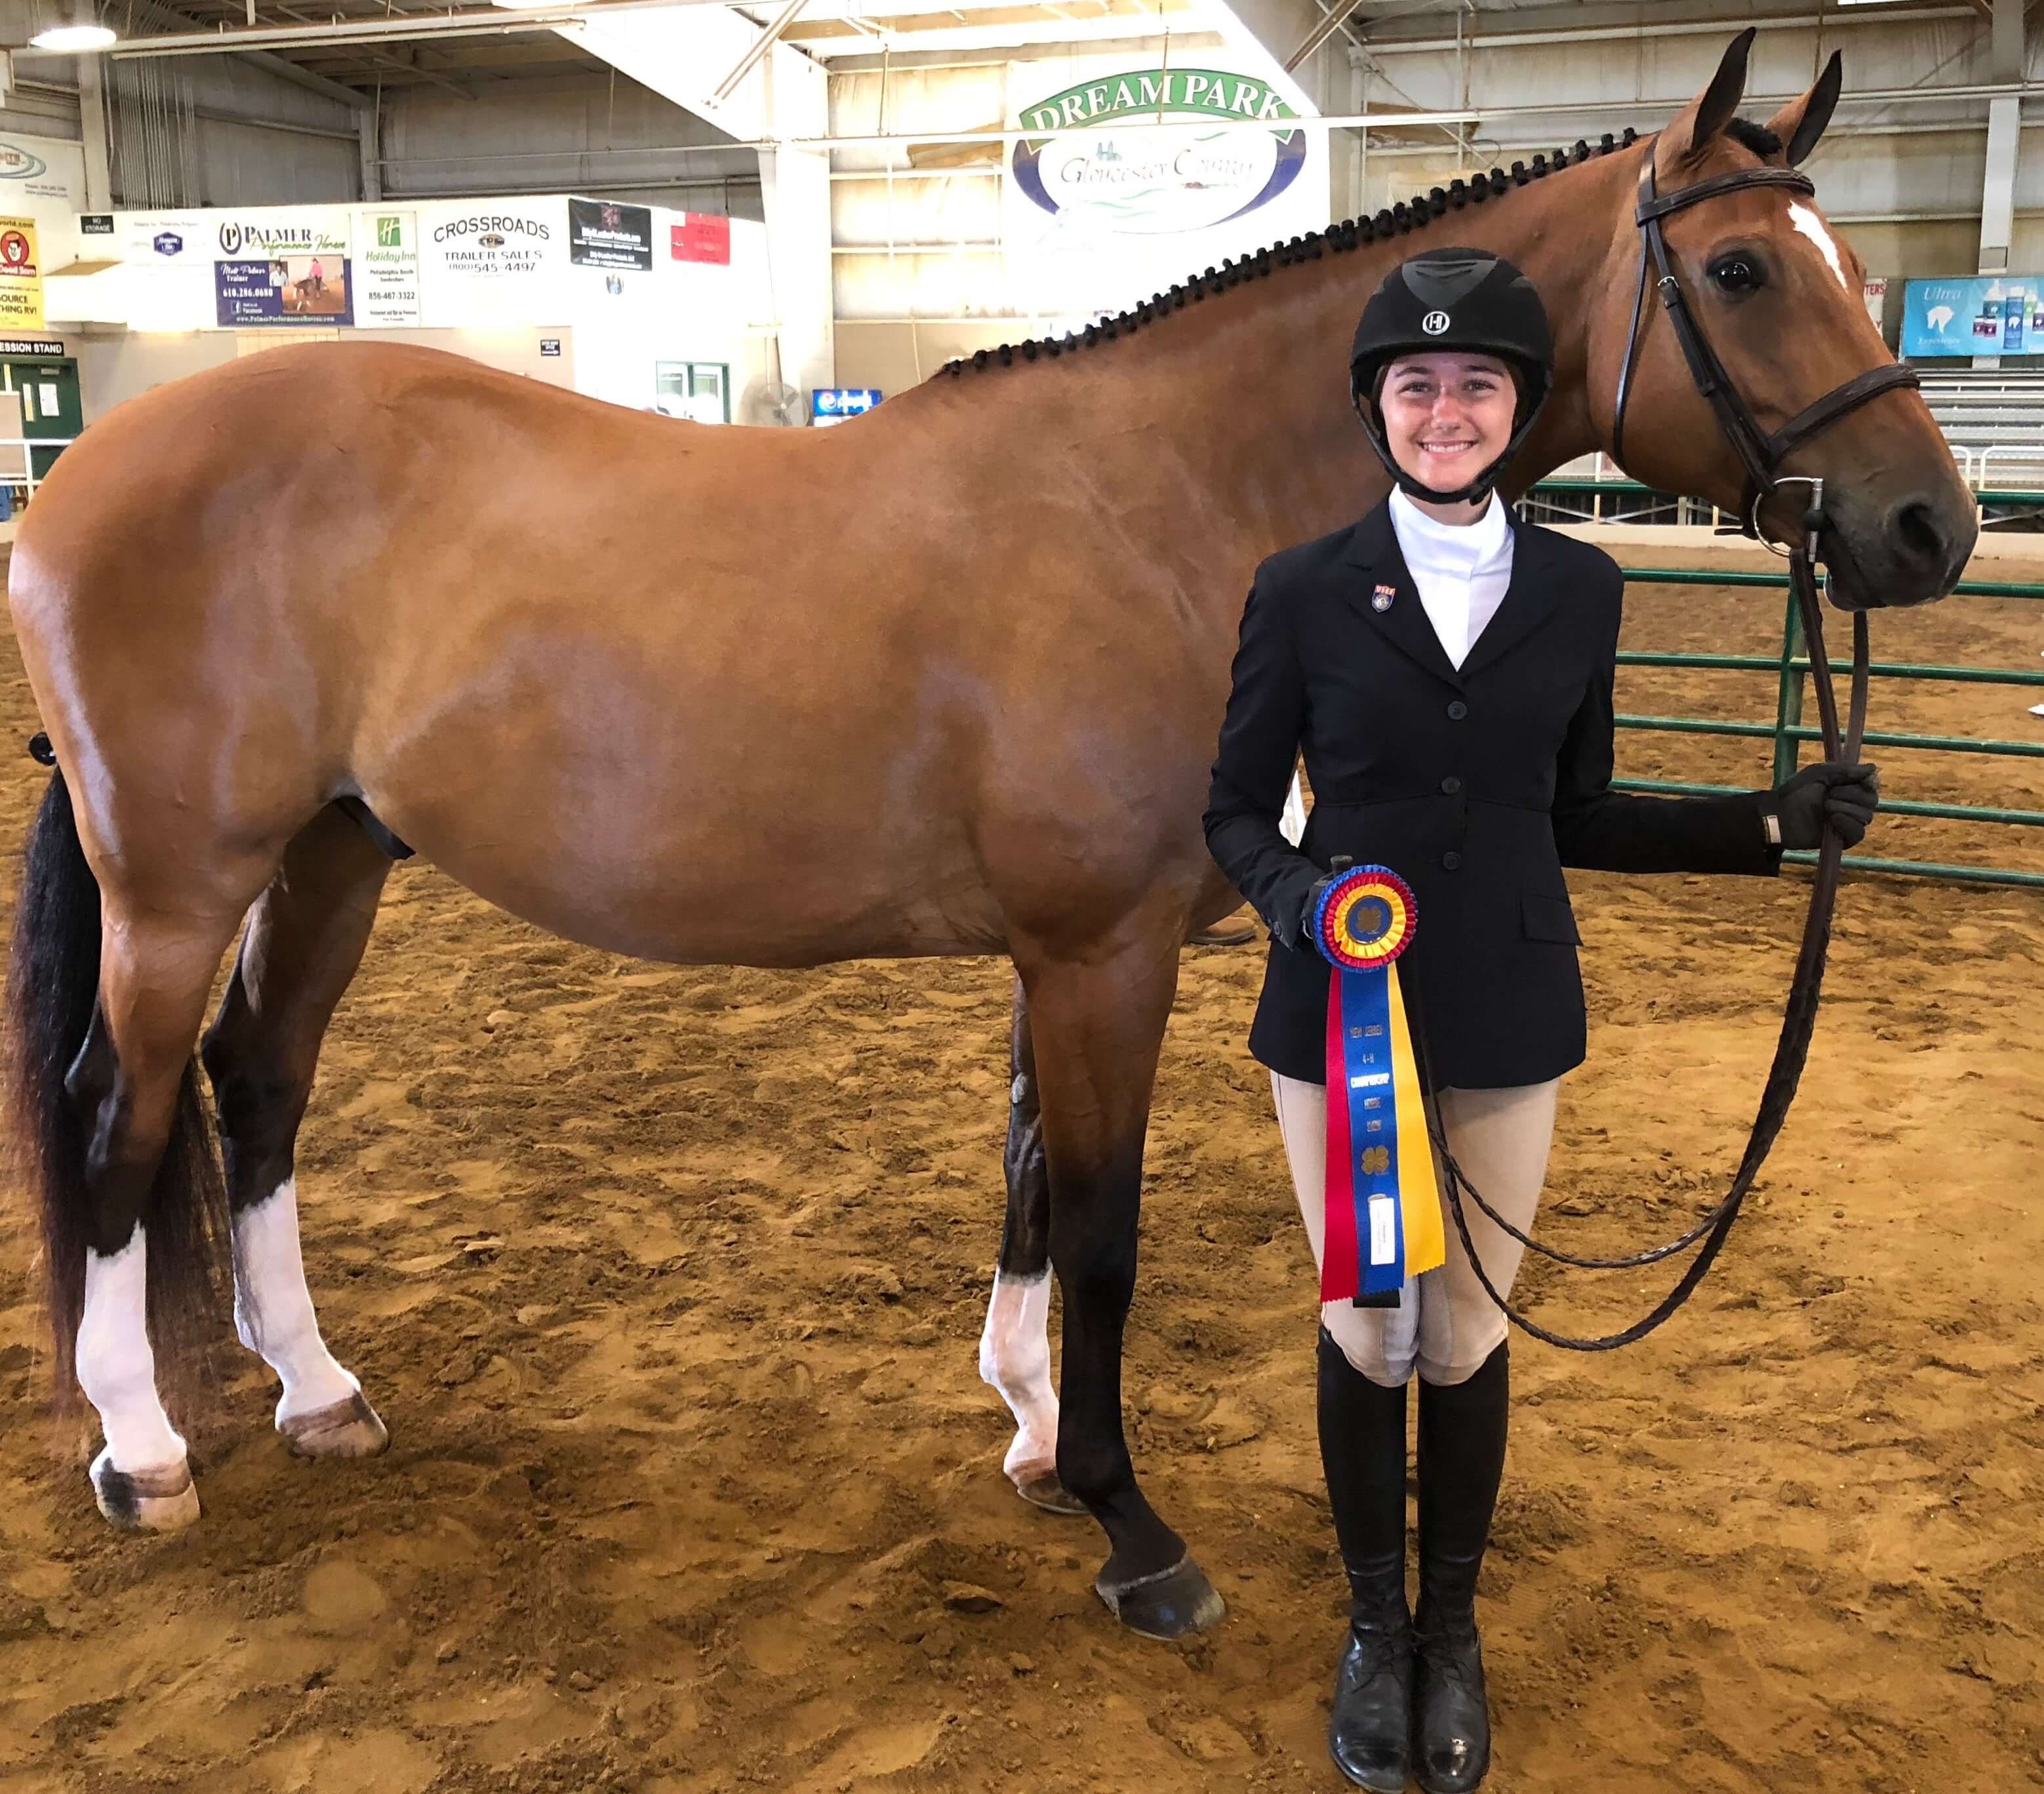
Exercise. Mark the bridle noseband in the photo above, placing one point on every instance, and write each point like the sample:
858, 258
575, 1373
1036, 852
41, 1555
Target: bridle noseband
1761, 453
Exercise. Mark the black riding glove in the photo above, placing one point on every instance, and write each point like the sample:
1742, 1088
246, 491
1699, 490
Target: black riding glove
1845, 796
1300, 935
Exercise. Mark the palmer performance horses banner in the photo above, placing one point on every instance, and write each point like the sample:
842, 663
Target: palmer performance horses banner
286, 289
1142, 175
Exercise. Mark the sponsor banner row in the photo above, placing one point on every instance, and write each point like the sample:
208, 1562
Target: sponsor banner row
441, 263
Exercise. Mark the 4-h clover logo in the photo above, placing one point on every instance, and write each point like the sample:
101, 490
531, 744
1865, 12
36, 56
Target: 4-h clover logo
1375, 1161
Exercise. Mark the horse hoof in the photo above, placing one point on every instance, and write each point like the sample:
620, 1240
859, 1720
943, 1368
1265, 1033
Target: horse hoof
160, 1500
1046, 1492
1170, 1604
345, 1429
1239, 935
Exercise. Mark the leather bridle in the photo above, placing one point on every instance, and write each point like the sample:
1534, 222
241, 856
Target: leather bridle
1763, 454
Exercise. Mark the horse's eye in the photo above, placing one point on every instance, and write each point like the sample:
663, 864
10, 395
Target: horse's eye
1735, 273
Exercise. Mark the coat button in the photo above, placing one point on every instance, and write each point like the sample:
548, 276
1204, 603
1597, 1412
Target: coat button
1451, 861
1457, 711
1450, 786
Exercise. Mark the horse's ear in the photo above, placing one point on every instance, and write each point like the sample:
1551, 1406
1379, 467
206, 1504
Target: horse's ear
1690, 134
1801, 122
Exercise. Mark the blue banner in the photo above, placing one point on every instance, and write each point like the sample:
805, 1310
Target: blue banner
283, 289
1984, 314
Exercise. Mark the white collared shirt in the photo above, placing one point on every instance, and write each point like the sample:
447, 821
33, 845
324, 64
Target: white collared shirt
1461, 570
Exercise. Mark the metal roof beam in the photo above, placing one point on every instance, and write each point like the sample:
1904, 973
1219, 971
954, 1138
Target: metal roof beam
1832, 20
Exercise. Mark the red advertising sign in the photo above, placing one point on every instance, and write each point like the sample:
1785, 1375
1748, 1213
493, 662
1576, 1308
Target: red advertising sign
701, 236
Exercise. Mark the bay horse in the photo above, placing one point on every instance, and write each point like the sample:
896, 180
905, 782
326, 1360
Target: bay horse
944, 681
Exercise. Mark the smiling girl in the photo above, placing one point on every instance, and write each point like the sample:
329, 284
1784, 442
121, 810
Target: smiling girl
1447, 672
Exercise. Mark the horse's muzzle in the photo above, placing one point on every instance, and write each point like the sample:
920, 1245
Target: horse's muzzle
1891, 556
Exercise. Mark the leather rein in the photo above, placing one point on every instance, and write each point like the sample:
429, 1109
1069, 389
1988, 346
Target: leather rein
1762, 453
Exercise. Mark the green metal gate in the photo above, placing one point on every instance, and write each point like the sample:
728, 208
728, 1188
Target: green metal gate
1788, 731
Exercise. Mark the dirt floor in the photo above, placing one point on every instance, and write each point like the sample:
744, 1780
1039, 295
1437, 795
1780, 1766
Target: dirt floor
668, 1283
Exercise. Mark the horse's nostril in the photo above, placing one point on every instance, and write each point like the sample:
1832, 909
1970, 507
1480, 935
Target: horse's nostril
1921, 536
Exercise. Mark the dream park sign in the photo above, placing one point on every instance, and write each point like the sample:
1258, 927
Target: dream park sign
1100, 156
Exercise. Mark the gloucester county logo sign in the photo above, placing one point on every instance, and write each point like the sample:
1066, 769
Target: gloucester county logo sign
1101, 154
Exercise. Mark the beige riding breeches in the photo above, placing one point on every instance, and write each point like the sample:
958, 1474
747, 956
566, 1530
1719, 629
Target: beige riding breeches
1444, 1325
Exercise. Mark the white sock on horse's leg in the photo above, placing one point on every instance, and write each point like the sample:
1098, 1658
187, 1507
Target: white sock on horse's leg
273, 1309
141, 1478
1015, 1357
117, 1367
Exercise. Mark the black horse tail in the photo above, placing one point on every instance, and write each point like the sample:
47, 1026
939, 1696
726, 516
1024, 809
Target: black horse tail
52, 991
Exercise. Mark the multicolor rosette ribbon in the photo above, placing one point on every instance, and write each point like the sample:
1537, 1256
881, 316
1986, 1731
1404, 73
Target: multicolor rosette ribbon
1384, 1207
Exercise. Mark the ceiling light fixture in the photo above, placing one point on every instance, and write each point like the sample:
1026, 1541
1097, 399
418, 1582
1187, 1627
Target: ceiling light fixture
73, 39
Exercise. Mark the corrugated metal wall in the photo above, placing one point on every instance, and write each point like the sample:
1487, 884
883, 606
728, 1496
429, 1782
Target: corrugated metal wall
213, 131
598, 134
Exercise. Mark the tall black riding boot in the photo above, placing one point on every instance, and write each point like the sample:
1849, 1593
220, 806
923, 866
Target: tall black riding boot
1462, 1459
1362, 1449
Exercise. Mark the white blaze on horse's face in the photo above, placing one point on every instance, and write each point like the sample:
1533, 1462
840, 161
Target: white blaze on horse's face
1809, 225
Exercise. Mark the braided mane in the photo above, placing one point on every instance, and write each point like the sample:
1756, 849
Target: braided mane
1401, 219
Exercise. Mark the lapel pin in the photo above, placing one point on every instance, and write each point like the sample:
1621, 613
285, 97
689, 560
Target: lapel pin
1380, 599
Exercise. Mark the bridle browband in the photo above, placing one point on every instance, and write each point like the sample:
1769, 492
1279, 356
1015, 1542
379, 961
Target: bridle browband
1762, 455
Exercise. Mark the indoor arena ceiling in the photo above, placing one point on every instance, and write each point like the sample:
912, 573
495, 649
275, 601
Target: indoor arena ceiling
481, 55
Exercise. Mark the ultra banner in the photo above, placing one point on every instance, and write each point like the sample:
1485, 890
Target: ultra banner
1989, 314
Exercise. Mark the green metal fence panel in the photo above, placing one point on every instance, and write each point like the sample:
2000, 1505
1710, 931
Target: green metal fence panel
1788, 732
1875, 738
1691, 576
1889, 806
1881, 669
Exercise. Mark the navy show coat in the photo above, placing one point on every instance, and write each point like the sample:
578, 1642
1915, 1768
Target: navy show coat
1477, 786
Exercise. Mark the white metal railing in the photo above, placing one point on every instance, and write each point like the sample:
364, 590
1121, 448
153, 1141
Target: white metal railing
1980, 463
28, 477
2024, 459
1984, 466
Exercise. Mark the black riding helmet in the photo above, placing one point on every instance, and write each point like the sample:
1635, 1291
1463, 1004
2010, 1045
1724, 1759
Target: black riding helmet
1453, 299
